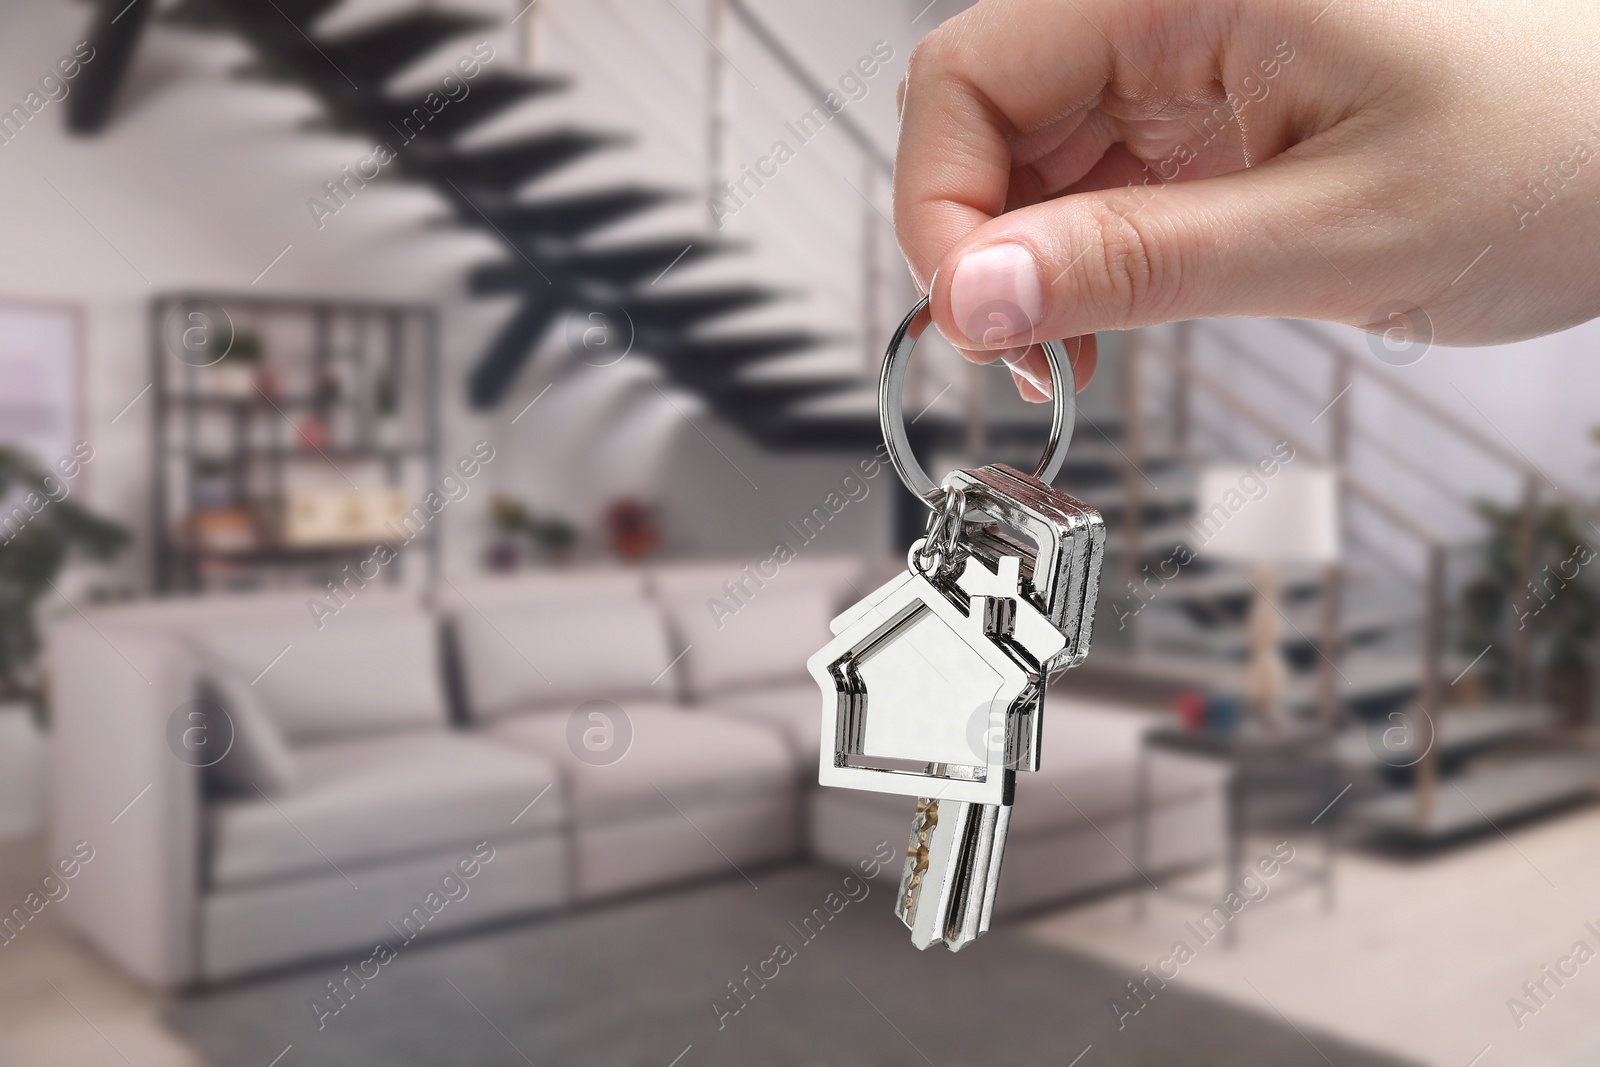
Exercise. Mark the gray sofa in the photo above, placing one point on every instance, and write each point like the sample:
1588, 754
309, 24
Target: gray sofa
598, 733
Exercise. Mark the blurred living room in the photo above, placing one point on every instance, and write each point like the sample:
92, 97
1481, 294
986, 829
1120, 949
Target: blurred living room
435, 438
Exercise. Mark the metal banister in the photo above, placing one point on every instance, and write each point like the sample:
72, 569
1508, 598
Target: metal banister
806, 80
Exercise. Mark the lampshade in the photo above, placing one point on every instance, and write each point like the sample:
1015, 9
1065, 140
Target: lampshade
1246, 515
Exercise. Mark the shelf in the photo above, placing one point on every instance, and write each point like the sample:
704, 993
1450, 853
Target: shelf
208, 445
1456, 731
285, 554
1477, 801
255, 400
273, 452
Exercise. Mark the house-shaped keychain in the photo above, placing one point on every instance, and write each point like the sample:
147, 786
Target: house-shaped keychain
915, 676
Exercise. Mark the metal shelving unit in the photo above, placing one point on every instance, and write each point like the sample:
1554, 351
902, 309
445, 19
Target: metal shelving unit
345, 398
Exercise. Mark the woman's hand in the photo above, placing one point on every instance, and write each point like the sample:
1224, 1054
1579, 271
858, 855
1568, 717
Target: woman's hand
1068, 166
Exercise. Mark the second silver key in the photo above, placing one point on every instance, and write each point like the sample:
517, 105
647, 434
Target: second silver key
952, 870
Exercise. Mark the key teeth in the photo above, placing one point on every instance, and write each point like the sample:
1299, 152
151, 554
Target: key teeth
915, 870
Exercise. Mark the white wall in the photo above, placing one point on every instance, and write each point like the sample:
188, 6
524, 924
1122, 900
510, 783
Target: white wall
1534, 402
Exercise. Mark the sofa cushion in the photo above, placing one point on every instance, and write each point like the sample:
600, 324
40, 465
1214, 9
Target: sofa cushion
767, 640
381, 798
840, 578
794, 710
1088, 774
1089, 769
541, 585
358, 674
673, 757
517, 656
257, 756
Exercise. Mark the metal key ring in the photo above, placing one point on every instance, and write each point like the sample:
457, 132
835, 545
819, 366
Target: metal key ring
940, 551
892, 416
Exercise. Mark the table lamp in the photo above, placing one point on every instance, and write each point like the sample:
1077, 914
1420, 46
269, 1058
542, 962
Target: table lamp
1246, 515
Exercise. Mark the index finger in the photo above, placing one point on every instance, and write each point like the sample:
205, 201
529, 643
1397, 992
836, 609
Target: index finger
991, 72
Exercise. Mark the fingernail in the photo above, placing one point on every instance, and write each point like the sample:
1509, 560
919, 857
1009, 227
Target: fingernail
1031, 389
985, 356
1025, 375
996, 295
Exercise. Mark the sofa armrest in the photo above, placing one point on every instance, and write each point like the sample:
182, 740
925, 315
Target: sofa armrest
116, 784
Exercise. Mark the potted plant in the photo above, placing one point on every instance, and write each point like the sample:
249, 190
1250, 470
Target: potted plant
386, 428
552, 537
1560, 605
634, 528
40, 528
238, 368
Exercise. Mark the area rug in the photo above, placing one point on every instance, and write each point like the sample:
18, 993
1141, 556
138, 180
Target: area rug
794, 969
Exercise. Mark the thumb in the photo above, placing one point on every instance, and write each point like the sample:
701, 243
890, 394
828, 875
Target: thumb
1277, 240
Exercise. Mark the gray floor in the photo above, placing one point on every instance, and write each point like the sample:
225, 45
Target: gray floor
633, 984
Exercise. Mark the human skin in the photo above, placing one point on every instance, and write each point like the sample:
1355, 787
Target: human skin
1438, 156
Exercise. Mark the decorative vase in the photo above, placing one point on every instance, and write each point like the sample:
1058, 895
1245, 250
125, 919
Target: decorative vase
231, 381
388, 432
21, 772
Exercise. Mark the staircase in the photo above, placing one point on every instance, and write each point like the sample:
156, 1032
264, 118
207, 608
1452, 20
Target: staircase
1371, 645
1378, 646
557, 264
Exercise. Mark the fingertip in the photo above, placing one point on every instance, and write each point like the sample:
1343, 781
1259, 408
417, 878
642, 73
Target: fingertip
994, 297
1031, 372
1084, 355
983, 356
1028, 390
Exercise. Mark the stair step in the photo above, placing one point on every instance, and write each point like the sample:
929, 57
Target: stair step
1455, 731
1112, 498
1090, 449
497, 368
1371, 675
372, 55
1178, 631
683, 310
816, 433
1468, 802
1232, 583
572, 217
643, 261
487, 96
706, 359
203, 14
504, 167
619, 266
737, 400
1154, 538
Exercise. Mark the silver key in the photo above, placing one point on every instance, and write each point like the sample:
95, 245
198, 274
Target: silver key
952, 870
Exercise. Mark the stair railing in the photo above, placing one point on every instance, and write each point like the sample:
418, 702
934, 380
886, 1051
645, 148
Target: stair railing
877, 165
1525, 680
1188, 375
1346, 370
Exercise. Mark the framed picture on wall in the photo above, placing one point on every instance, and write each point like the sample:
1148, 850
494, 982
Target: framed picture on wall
41, 378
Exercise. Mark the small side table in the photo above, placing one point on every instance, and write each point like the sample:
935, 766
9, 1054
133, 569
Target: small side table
1295, 759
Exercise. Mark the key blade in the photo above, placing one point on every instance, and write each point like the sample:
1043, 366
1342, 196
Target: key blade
980, 876
932, 872
952, 871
